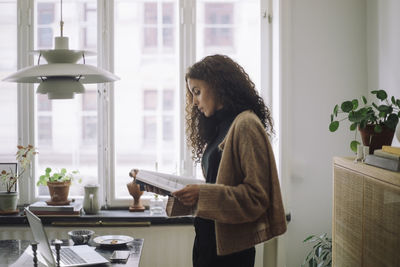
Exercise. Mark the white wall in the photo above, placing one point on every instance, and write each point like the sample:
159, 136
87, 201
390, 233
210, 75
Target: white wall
323, 63
384, 47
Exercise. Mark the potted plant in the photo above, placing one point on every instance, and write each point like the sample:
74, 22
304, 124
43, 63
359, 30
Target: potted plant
376, 121
58, 184
321, 252
9, 179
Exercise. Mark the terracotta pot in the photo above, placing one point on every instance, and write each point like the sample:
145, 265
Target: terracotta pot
376, 140
59, 191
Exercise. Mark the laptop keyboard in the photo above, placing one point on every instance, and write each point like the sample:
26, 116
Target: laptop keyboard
68, 256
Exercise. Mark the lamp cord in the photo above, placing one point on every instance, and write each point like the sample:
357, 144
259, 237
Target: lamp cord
61, 21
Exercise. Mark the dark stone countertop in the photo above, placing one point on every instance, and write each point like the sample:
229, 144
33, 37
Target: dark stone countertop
106, 218
11, 250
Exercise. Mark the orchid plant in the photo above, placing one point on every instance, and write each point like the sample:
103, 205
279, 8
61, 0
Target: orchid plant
24, 157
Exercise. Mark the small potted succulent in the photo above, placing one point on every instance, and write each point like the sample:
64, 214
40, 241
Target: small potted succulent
376, 121
58, 184
9, 179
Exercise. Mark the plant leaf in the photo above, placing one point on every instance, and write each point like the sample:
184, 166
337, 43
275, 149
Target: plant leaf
393, 100
353, 145
347, 106
355, 104
378, 128
381, 94
364, 99
333, 126
392, 121
335, 110
385, 108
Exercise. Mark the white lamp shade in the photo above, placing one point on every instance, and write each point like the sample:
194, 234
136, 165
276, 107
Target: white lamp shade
60, 88
63, 55
85, 73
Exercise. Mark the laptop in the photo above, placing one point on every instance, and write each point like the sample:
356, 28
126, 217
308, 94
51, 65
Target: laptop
82, 255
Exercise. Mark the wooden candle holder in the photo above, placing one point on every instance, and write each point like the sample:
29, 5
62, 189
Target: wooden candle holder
134, 191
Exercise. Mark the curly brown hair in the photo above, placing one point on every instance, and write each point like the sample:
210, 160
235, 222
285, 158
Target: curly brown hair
233, 87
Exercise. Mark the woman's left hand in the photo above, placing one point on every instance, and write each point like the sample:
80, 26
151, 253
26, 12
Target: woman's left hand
188, 195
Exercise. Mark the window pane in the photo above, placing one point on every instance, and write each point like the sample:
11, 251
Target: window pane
168, 13
67, 129
150, 13
150, 37
150, 99
223, 28
218, 13
168, 37
168, 99
142, 136
46, 13
8, 91
45, 131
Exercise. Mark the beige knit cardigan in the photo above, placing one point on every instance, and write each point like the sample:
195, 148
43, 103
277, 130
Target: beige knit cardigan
245, 202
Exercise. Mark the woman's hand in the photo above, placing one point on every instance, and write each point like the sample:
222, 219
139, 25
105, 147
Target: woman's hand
189, 195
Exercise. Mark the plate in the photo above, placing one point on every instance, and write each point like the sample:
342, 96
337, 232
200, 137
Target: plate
112, 240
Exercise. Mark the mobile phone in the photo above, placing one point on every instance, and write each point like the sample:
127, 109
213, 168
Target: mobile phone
120, 256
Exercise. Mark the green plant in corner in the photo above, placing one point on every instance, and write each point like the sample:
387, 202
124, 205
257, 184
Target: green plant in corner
379, 114
61, 176
321, 253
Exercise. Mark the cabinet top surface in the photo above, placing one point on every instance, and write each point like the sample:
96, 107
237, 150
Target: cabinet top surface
368, 170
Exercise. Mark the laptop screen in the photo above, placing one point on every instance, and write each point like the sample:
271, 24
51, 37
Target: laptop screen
40, 236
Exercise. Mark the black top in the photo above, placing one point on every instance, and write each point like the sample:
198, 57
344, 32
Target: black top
210, 164
212, 154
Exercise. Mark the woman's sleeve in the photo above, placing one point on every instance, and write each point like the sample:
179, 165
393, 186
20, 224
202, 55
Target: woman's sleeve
250, 166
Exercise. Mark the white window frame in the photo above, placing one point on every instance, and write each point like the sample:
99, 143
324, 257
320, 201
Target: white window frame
105, 92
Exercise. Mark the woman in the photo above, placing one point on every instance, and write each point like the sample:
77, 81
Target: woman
228, 128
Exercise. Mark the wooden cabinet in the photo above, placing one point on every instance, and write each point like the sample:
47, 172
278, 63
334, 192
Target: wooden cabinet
366, 215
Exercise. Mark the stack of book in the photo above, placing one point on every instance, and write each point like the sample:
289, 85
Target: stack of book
387, 158
41, 208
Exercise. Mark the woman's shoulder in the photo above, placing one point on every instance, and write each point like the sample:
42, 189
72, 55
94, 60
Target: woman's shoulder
247, 118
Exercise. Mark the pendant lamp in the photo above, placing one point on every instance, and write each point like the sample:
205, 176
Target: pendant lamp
62, 77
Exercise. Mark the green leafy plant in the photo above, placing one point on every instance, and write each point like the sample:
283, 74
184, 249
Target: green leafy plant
61, 176
321, 252
382, 113
24, 157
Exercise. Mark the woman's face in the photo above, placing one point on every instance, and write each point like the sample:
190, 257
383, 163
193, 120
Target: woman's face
203, 97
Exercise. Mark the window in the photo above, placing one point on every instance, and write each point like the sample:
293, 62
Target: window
66, 130
8, 64
218, 24
136, 122
45, 131
45, 21
89, 118
158, 26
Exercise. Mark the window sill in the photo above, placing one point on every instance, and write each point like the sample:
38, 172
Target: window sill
105, 218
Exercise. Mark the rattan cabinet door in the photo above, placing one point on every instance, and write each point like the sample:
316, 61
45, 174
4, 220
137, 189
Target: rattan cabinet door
381, 224
347, 218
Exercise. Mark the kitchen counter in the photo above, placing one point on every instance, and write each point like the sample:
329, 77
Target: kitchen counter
12, 250
103, 218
